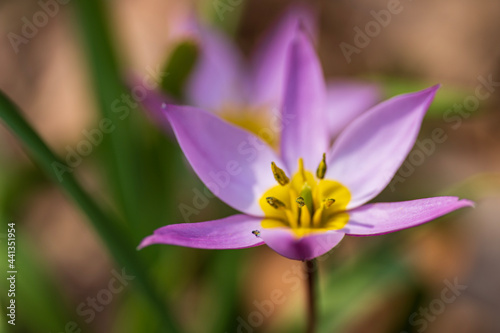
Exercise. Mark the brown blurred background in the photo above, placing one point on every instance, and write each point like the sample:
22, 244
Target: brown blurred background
451, 42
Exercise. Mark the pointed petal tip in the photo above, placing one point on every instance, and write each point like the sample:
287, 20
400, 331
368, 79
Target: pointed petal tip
430, 92
304, 99
302, 14
382, 218
467, 203
461, 203
149, 240
392, 127
433, 89
232, 232
302, 32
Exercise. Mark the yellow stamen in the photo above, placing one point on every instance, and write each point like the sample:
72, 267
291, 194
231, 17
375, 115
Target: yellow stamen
320, 172
329, 202
305, 218
279, 175
301, 170
275, 203
318, 216
294, 223
305, 202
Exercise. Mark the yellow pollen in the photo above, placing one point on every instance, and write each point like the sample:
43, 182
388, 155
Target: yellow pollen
279, 175
329, 202
275, 203
301, 169
321, 171
306, 203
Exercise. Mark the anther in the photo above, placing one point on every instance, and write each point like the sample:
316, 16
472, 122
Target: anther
320, 172
275, 203
279, 175
329, 202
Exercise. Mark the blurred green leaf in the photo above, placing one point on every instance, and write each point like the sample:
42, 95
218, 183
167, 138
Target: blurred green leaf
138, 317
19, 184
349, 289
109, 90
178, 68
37, 298
223, 282
161, 170
117, 241
3, 324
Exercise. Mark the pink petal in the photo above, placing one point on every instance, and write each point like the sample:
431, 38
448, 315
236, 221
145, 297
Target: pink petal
304, 128
217, 76
233, 163
269, 60
381, 218
284, 242
370, 150
233, 232
346, 100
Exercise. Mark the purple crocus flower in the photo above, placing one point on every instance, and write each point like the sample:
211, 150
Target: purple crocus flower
250, 93
303, 200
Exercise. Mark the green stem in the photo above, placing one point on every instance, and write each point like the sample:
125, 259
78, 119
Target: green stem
107, 227
312, 282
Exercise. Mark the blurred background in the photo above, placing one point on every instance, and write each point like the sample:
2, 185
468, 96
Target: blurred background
60, 78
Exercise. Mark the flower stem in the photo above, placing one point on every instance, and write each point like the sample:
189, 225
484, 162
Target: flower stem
312, 282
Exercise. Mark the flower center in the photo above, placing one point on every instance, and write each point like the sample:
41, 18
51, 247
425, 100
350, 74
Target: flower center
306, 202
